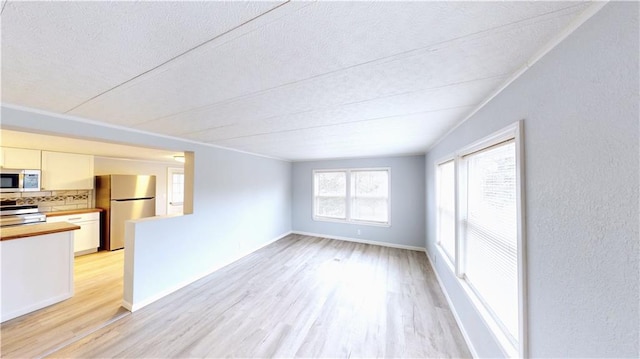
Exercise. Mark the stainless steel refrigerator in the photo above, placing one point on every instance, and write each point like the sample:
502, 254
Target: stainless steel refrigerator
123, 197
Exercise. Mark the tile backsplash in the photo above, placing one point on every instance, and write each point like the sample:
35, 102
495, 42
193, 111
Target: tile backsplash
50, 201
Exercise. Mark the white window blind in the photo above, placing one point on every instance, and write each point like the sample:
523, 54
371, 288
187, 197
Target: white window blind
490, 240
330, 194
446, 208
370, 196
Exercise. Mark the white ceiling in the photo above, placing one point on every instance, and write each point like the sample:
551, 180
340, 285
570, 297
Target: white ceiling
296, 80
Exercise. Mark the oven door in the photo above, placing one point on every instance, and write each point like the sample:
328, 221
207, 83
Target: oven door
10, 181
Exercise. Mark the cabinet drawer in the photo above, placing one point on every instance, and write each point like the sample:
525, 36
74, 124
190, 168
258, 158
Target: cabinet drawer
87, 238
74, 218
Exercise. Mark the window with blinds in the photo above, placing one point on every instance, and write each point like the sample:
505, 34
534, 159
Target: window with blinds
446, 208
490, 232
480, 225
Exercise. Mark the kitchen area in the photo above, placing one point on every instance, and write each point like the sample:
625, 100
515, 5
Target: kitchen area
64, 205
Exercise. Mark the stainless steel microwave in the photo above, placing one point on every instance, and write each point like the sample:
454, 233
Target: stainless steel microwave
19, 180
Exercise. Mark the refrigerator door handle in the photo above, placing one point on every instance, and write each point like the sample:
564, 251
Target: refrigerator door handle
131, 199
121, 211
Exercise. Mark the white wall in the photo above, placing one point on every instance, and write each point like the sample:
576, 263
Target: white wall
580, 109
241, 202
407, 206
108, 166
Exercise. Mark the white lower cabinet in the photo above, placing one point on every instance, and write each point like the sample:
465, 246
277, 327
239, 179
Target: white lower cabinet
87, 238
35, 272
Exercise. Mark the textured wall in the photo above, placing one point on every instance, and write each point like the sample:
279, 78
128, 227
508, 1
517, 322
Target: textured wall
407, 207
580, 109
241, 203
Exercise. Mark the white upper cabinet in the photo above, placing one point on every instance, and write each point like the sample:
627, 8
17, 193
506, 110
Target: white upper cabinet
66, 171
19, 158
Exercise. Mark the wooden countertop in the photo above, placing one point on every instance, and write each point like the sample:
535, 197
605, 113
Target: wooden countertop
31, 230
72, 211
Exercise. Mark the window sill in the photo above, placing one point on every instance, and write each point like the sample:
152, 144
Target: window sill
346, 221
508, 348
447, 260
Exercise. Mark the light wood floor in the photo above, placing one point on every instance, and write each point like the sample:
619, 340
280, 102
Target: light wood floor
298, 297
96, 302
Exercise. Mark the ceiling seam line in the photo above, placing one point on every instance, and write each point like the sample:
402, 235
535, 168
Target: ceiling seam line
137, 125
178, 56
346, 123
230, 100
343, 105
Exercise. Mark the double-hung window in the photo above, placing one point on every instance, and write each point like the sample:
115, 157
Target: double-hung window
479, 211
352, 195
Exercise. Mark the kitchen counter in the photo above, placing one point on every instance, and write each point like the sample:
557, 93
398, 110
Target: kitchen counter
32, 230
72, 211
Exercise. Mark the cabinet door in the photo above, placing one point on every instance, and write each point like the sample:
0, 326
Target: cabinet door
66, 171
87, 237
19, 158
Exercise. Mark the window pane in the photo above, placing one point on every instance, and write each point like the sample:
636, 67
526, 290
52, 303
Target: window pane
491, 232
330, 194
446, 208
177, 188
370, 196
332, 207
331, 184
370, 209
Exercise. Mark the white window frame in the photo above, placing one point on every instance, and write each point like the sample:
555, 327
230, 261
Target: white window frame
449, 259
348, 219
512, 132
346, 196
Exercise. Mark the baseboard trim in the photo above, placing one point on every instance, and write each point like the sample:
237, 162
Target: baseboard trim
33, 307
132, 307
126, 305
358, 240
244, 254
467, 340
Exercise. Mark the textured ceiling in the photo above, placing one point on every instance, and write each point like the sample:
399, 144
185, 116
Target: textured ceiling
297, 80
19, 139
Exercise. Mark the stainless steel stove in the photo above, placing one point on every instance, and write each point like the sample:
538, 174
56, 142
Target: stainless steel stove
12, 214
